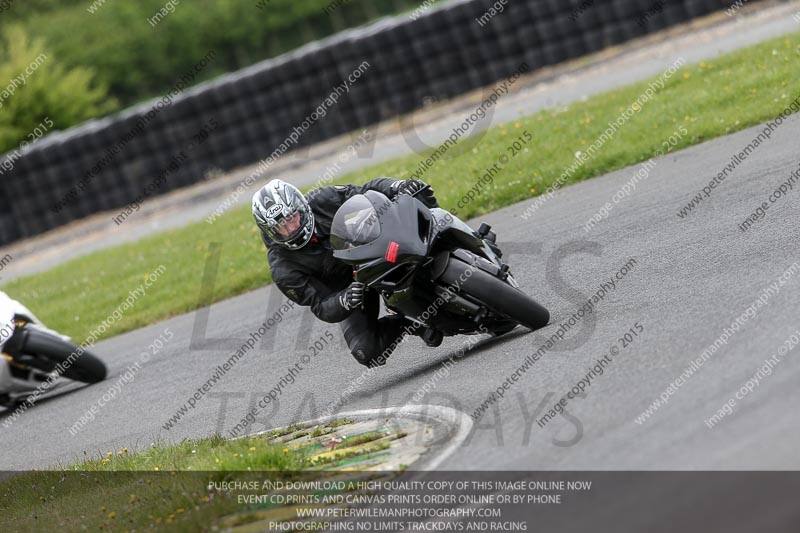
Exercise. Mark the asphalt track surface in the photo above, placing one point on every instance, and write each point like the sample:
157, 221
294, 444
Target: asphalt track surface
692, 277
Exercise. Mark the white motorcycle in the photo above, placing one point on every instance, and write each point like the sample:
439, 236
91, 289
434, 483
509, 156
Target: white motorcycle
31, 353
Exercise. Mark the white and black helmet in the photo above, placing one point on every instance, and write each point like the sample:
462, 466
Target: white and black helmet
283, 214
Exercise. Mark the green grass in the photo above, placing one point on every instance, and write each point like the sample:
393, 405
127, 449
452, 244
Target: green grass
167, 487
728, 94
364, 438
276, 433
120, 490
214, 453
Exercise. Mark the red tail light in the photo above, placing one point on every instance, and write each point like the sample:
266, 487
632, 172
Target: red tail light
391, 252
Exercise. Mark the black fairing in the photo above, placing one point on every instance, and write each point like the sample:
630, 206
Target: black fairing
366, 225
405, 222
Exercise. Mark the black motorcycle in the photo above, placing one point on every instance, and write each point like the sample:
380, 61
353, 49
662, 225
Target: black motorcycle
431, 267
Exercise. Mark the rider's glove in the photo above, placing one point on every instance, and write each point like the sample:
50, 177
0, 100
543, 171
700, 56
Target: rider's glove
413, 187
352, 296
410, 186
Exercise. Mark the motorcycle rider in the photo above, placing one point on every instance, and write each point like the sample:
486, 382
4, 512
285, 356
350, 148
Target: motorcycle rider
296, 229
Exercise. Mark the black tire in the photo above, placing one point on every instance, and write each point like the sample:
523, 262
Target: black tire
45, 351
498, 295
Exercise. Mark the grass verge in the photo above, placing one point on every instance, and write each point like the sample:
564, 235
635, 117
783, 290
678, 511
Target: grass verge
709, 99
169, 486
124, 491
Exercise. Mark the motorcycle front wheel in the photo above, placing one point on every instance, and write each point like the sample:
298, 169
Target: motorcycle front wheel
496, 294
44, 351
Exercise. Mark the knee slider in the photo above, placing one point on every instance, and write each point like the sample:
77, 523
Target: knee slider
370, 360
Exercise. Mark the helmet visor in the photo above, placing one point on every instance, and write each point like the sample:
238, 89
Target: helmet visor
290, 226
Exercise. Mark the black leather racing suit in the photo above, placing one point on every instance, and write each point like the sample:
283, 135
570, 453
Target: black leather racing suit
312, 277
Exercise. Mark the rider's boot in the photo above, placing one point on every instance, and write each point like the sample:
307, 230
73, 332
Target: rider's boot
430, 336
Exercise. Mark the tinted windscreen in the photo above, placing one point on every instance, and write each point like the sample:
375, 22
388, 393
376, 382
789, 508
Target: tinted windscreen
355, 223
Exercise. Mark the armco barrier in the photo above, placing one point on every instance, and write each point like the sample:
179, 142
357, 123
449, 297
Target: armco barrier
443, 53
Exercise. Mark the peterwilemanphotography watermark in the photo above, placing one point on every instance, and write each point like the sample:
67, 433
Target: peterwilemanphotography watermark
228, 364
149, 190
599, 367
557, 336
756, 380
164, 12
654, 9
581, 157
780, 192
728, 332
114, 317
737, 159
423, 8
95, 6
567, 431
22, 79
735, 7
293, 138
115, 390
334, 5
480, 115
114, 149
641, 174
11, 158
5, 260
495, 9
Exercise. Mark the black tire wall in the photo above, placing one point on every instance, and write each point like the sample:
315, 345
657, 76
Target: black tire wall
442, 54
